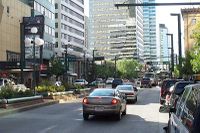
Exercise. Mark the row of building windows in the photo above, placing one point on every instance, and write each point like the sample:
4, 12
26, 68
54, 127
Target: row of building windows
48, 45
76, 6
12, 56
73, 13
46, 12
71, 38
72, 30
81, 1
49, 30
72, 21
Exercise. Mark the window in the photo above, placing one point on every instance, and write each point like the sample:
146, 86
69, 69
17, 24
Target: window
56, 6
56, 34
194, 21
56, 15
56, 25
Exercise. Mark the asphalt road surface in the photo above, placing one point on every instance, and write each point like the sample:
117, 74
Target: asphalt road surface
142, 117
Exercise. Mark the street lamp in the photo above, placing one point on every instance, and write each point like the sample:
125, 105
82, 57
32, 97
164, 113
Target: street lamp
35, 41
93, 63
179, 40
172, 52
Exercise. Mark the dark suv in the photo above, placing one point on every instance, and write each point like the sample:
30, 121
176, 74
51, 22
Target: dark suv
178, 90
116, 82
164, 90
186, 117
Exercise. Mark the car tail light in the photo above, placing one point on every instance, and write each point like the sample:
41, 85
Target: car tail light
114, 101
85, 100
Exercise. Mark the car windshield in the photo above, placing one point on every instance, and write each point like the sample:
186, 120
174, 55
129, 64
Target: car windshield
149, 75
79, 80
102, 92
124, 88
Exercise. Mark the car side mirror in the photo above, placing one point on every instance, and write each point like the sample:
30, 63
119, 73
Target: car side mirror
172, 110
124, 96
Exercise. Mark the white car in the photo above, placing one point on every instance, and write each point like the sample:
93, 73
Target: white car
109, 80
81, 82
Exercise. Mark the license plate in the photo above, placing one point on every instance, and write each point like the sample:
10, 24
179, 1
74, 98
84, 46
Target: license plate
99, 108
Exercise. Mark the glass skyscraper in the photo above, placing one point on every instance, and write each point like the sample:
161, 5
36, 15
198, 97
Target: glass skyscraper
150, 49
116, 31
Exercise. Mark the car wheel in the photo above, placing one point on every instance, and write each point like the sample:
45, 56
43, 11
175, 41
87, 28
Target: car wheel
135, 100
118, 116
85, 116
124, 112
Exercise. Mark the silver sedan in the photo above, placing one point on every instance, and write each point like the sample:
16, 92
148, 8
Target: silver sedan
129, 91
104, 101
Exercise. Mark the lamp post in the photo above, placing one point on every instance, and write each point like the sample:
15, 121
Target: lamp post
35, 41
172, 52
93, 65
179, 41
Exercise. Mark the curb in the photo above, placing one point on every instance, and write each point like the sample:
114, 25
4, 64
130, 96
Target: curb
16, 110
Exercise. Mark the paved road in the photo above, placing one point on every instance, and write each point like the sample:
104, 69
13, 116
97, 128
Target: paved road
142, 117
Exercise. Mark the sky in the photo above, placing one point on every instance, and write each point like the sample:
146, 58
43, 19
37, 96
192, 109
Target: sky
163, 16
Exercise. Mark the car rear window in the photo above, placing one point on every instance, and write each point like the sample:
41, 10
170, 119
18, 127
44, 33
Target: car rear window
180, 87
102, 92
124, 88
168, 84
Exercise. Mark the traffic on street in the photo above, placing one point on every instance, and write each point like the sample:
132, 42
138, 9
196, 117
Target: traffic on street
141, 117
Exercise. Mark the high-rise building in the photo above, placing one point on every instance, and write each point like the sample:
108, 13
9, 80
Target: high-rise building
116, 31
70, 34
150, 49
163, 45
191, 17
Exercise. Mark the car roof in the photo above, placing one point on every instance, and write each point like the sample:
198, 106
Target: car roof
126, 85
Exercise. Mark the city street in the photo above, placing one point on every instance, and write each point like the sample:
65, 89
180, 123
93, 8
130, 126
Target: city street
142, 117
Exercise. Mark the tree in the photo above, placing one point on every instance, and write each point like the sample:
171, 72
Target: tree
56, 68
128, 68
195, 54
187, 64
105, 70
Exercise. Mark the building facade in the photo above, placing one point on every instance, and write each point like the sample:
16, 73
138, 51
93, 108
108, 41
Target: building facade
11, 15
70, 35
163, 44
150, 49
116, 31
191, 17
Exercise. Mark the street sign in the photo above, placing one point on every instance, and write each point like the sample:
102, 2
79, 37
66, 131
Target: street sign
99, 58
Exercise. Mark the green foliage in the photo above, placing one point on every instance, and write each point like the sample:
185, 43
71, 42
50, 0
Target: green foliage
186, 69
57, 68
105, 70
8, 92
52, 88
176, 72
128, 68
195, 54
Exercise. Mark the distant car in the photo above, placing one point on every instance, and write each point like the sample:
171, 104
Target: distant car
129, 91
81, 82
109, 80
104, 101
145, 82
116, 82
153, 78
186, 117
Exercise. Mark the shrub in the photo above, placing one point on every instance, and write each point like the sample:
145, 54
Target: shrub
8, 92
51, 88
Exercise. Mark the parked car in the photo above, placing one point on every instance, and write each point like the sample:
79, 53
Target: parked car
104, 101
186, 117
109, 80
81, 82
177, 91
164, 90
129, 91
116, 82
145, 82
